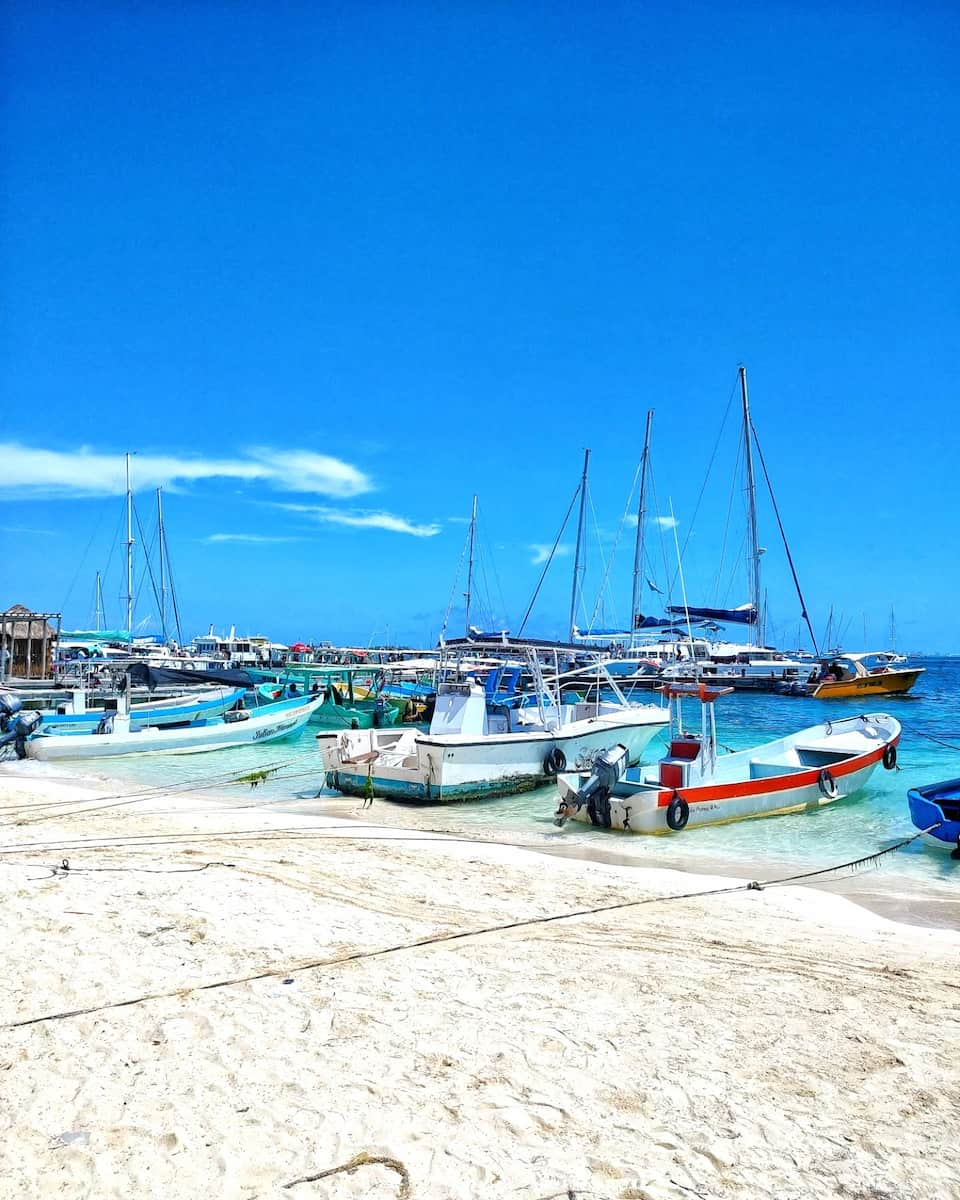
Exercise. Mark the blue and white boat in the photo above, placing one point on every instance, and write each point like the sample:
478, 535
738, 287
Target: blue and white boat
935, 809
266, 723
73, 716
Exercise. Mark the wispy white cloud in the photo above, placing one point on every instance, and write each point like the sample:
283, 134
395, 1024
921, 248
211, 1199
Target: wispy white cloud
363, 519
660, 522
258, 538
32, 532
541, 552
87, 472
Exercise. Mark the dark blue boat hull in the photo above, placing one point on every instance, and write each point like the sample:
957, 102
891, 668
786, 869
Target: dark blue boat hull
939, 802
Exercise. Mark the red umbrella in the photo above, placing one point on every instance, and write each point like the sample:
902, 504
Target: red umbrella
299, 647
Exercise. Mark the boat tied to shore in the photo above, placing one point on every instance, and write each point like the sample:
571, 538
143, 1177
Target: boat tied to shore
124, 731
694, 785
238, 727
484, 743
935, 810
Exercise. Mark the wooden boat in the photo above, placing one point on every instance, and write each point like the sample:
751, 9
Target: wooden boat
693, 785
475, 749
267, 723
936, 810
867, 674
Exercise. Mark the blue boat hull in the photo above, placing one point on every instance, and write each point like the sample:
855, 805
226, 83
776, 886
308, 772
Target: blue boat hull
940, 802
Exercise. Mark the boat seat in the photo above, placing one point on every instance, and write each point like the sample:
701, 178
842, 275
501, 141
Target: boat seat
762, 770
815, 757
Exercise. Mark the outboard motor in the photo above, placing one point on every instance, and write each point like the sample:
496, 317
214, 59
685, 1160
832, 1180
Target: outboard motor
16, 725
608, 769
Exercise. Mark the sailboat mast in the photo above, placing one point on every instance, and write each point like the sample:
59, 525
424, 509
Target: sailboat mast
98, 614
576, 561
641, 521
469, 592
163, 579
129, 553
754, 547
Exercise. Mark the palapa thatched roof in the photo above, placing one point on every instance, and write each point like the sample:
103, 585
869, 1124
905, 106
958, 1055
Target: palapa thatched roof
20, 624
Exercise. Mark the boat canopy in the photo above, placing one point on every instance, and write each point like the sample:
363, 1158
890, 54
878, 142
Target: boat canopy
142, 675
746, 614
94, 635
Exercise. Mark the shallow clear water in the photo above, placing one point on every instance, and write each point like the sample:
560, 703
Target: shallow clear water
837, 833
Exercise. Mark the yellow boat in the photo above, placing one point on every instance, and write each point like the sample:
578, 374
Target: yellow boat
875, 673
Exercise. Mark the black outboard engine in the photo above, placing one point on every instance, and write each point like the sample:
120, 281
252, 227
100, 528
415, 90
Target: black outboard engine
16, 725
608, 769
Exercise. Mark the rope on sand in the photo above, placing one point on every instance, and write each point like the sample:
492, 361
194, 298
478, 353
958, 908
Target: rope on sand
459, 936
362, 1160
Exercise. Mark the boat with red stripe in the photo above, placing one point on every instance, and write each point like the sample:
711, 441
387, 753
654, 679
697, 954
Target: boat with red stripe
693, 784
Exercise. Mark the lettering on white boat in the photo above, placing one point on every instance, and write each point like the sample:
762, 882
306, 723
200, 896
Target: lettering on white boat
262, 733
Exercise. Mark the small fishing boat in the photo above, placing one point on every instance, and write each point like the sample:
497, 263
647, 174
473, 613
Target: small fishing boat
238, 727
867, 674
936, 810
482, 744
73, 716
693, 785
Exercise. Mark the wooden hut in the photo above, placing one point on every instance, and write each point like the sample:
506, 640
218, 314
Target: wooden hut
27, 643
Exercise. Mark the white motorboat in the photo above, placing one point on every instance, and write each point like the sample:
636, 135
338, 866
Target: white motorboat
693, 785
236, 728
481, 745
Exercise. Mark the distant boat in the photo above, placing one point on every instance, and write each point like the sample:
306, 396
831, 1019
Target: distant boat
237, 728
938, 805
693, 785
872, 673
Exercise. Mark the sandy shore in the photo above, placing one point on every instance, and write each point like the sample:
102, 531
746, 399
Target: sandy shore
223, 1001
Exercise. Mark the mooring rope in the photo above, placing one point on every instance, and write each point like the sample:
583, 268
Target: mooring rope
931, 738
458, 936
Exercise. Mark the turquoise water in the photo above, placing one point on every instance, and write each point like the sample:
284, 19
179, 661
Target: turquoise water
840, 832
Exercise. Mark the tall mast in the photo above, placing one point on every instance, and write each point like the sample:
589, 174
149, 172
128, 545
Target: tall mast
98, 603
641, 520
129, 553
754, 545
469, 592
163, 580
576, 561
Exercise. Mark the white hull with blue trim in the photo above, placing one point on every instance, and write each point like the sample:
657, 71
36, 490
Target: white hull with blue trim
265, 724
177, 710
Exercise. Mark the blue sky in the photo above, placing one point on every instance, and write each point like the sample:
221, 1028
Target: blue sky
331, 269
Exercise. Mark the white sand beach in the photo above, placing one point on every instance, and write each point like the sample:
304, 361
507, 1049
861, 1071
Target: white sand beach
213, 1001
